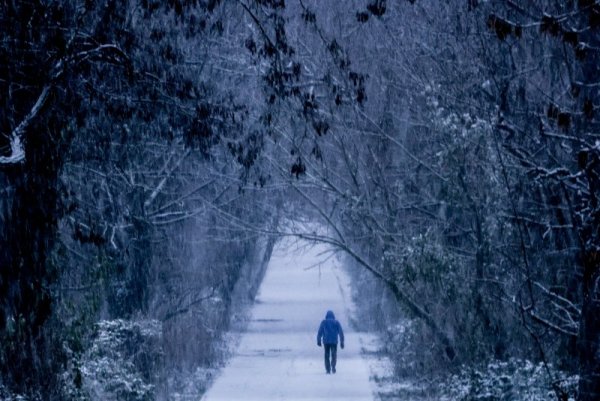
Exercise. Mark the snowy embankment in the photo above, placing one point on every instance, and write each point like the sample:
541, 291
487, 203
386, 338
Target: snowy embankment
277, 358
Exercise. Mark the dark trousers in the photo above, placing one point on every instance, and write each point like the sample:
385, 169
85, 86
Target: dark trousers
330, 351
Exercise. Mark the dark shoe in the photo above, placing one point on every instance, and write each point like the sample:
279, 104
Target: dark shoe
328, 372
333, 370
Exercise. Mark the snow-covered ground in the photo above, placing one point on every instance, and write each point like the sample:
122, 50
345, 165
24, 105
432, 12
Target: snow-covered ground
278, 358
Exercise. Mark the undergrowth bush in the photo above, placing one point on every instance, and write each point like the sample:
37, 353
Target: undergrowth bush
124, 360
515, 379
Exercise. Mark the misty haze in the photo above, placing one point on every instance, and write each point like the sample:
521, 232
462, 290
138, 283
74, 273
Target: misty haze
218, 200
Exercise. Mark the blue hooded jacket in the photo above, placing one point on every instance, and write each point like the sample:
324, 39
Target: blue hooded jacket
329, 330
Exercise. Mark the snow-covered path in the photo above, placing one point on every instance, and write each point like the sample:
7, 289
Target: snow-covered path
278, 358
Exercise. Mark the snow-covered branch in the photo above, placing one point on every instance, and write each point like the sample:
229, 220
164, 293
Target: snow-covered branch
17, 151
17, 136
167, 175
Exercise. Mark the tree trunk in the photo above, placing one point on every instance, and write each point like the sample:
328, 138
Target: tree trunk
589, 331
28, 229
589, 232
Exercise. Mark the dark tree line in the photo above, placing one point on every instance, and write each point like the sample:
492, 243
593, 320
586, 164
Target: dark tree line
464, 172
116, 118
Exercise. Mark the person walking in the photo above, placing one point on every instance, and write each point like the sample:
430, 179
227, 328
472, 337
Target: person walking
329, 331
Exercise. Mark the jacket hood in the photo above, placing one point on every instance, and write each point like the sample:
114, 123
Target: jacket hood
329, 315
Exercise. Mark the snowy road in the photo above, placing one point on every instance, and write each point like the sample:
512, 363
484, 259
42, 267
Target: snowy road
278, 358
